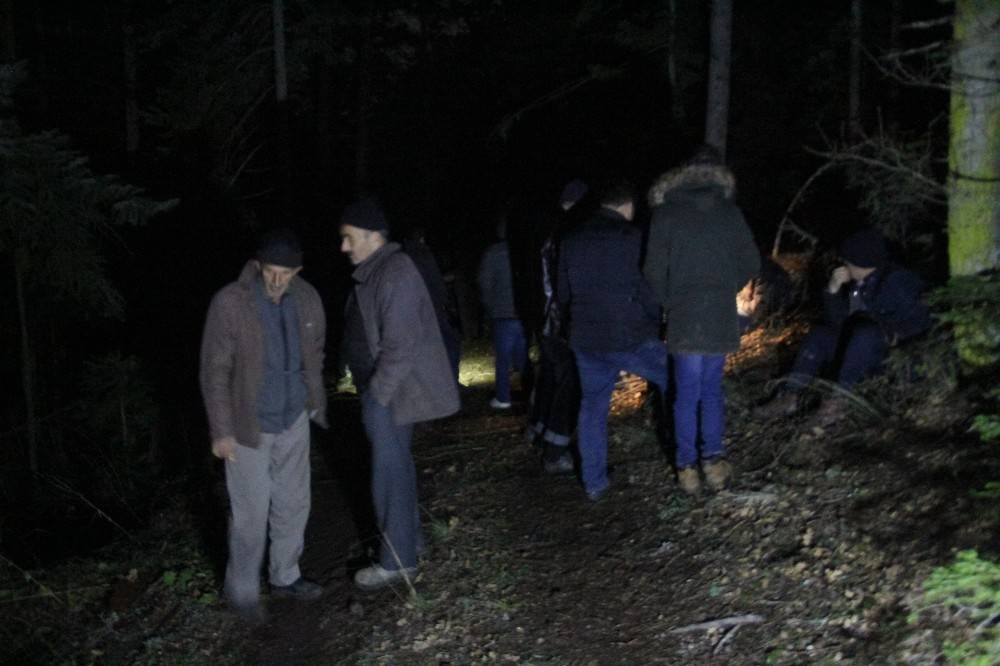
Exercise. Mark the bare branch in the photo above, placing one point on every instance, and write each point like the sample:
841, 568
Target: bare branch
853, 154
786, 220
929, 23
722, 623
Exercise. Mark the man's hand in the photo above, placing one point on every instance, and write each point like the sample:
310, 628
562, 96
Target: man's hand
839, 276
224, 448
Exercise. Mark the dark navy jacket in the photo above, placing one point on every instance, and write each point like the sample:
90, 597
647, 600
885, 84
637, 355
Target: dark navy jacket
891, 297
610, 305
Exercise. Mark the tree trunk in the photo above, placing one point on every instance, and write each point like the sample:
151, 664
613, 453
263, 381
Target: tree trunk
40, 63
27, 366
974, 142
895, 45
324, 105
676, 103
283, 140
9, 45
854, 82
361, 138
717, 110
131, 100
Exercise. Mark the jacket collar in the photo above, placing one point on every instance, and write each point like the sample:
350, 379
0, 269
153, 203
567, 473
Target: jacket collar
250, 276
691, 177
371, 265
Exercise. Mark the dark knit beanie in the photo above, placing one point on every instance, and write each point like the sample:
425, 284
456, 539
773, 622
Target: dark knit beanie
365, 214
575, 190
865, 249
280, 247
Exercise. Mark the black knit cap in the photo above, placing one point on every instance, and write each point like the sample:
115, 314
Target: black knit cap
865, 249
365, 214
280, 247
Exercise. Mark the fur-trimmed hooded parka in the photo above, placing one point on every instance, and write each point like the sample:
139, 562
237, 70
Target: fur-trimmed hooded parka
700, 254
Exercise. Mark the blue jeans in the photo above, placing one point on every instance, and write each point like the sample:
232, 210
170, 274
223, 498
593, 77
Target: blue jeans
857, 349
394, 486
698, 381
511, 353
598, 375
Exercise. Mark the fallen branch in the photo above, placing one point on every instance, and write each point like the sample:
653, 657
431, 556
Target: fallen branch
725, 639
46, 590
722, 623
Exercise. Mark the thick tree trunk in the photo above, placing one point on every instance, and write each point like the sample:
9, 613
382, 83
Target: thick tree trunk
717, 110
283, 141
676, 103
854, 83
27, 367
974, 145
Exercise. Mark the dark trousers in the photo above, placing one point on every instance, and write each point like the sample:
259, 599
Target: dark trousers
700, 402
394, 486
452, 346
557, 393
598, 373
854, 350
511, 350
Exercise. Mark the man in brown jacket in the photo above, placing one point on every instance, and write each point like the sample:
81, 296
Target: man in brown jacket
393, 347
262, 381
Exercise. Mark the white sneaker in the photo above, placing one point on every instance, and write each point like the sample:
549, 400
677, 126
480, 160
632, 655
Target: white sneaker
499, 404
375, 577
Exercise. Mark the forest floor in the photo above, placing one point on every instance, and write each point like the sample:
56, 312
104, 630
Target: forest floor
816, 554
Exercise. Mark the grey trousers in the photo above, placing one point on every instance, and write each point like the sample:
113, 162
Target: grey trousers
268, 496
394, 486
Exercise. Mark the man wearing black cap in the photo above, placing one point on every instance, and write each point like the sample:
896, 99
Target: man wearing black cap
262, 381
869, 305
393, 347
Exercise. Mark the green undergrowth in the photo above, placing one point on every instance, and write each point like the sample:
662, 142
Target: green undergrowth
966, 596
79, 610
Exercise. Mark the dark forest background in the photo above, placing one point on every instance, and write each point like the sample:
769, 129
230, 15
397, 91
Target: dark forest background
450, 110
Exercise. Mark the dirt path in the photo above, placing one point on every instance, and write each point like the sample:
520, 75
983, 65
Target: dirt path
809, 558
813, 556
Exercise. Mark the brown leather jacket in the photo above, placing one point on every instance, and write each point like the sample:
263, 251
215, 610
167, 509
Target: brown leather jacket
232, 356
412, 373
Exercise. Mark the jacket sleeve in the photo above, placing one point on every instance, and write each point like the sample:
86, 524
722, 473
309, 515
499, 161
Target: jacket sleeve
398, 304
218, 353
835, 306
747, 256
657, 265
563, 291
317, 344
900, 310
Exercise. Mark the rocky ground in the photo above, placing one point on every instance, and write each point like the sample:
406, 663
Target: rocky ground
817, 553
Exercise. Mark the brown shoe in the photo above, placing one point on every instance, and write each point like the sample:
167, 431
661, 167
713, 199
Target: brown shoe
718, 474
689, 481
785, 404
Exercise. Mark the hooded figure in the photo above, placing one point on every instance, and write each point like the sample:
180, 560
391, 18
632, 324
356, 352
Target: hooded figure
700, 254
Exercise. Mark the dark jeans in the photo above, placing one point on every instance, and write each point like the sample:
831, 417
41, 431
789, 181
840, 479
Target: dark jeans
598, 375
699, 401
452, 346
511, 350
394, 486
557, 393
855, 350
